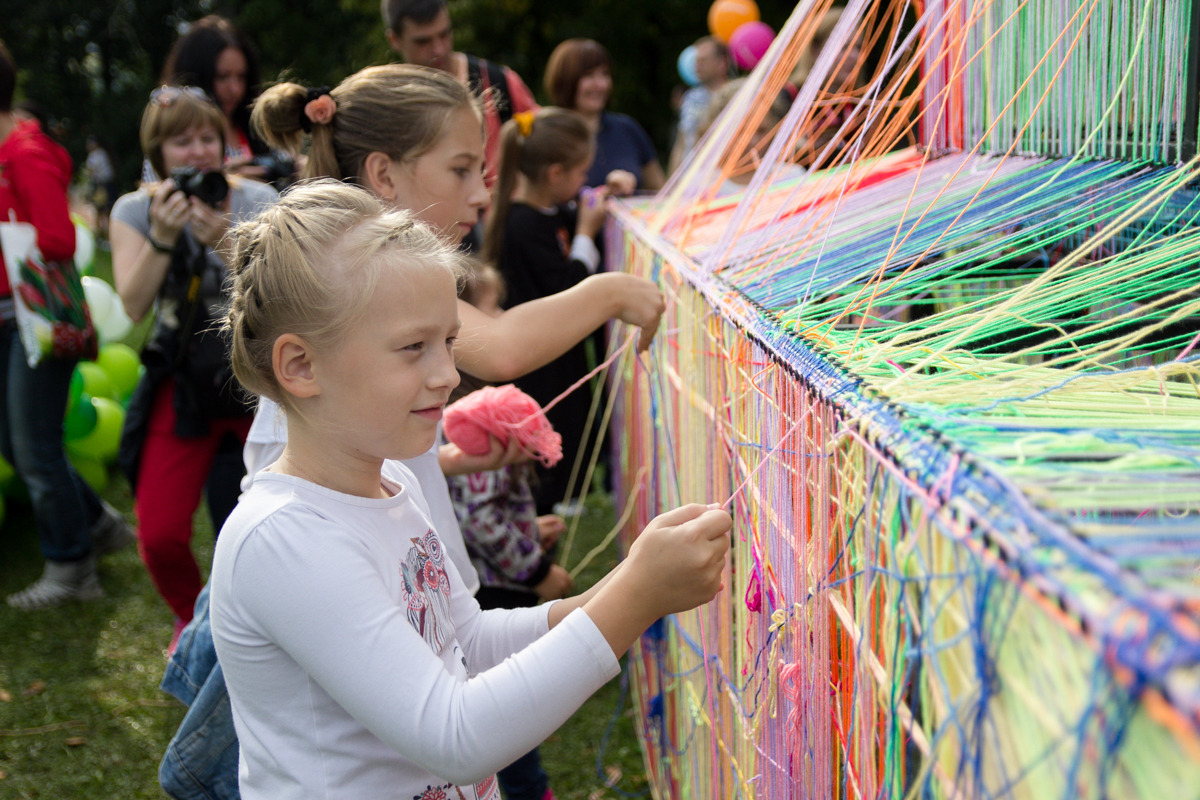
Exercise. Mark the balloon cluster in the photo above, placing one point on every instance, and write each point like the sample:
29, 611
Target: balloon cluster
737, 24
96, 403
97, 398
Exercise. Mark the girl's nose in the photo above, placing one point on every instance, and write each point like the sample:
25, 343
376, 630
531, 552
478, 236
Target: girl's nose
445, 375
481, 196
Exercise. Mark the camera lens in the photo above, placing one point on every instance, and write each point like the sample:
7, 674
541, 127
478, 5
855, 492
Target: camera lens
208, 187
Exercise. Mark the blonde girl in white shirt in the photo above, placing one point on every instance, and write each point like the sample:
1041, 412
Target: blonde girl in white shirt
358, 664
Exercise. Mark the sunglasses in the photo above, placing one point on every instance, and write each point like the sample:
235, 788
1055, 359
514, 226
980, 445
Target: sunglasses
167, 95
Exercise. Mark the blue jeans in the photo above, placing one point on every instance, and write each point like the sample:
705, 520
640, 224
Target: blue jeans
31, 440
201, 762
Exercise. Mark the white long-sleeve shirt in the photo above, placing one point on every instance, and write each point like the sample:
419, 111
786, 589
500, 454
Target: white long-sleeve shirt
358, 664
265, 443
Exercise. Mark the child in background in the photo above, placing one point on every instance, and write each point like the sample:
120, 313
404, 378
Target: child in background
543, 242
509, 544
357, 662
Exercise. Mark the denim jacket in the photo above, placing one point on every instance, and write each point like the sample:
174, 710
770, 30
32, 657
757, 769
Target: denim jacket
201, 762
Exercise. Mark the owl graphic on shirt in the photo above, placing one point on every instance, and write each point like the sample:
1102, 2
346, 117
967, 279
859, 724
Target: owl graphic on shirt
428, 591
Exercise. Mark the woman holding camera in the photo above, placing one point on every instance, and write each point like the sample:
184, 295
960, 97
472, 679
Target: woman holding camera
187, 403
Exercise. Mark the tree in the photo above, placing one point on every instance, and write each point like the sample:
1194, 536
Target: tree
90, 65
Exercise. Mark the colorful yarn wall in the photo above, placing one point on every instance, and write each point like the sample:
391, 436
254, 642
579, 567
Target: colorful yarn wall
950, 393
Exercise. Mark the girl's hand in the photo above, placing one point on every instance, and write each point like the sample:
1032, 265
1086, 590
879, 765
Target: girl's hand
209, 224
592, 212
169, 213
678, 561
550, 527
454, 461
556, 585
640, 303
620, 183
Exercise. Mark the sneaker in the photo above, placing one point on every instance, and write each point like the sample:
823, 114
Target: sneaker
61, 582
111, 532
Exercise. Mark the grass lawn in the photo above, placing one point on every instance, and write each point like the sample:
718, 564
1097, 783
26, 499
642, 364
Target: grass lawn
81, 714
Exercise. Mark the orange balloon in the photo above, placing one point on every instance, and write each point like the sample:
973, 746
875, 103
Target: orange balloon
726, 16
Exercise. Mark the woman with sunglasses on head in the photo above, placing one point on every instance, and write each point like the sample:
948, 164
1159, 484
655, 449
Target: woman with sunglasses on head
164, 258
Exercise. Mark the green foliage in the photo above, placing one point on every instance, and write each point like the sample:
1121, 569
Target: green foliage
91, 65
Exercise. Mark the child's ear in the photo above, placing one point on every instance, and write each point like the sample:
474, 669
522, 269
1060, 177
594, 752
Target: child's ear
554, 172
377, 176
291, 358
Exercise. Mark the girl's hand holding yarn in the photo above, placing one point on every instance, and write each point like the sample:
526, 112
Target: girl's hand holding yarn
453, 460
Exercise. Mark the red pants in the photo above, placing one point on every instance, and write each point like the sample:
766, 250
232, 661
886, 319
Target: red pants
171, 478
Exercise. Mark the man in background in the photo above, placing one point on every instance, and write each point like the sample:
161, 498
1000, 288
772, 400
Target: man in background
421, 32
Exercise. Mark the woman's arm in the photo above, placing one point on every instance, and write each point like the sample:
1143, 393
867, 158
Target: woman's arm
533, 334
139, 267
653, 177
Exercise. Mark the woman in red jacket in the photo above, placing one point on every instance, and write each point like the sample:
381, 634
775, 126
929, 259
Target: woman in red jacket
34, 175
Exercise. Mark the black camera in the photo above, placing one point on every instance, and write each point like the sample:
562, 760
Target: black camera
207, 187
278, 168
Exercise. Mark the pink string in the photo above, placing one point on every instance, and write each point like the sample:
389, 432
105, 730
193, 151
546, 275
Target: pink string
607, 363
1189, 348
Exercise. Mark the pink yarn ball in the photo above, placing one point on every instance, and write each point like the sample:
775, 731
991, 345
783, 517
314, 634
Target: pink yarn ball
502, 412
749, 43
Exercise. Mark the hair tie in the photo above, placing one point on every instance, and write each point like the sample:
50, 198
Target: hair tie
524, 120
319, 108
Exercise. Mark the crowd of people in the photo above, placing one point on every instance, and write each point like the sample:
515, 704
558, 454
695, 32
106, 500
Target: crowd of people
372, 616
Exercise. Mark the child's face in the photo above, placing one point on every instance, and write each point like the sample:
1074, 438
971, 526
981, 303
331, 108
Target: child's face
570, 181
444, 187
383, 388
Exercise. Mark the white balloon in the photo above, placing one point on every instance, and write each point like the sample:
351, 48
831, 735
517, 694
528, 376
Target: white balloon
85, 247
116, 325
100, 297
108, 312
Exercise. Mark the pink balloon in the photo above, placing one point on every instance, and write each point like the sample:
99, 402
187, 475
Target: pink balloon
749, 43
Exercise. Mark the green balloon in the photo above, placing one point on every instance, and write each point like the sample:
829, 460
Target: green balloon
103, 440
80, 420
95, 380
7, 474
120, 362
93, 472
75, 390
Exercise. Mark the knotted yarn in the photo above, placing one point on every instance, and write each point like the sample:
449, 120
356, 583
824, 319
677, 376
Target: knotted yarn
502, 412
